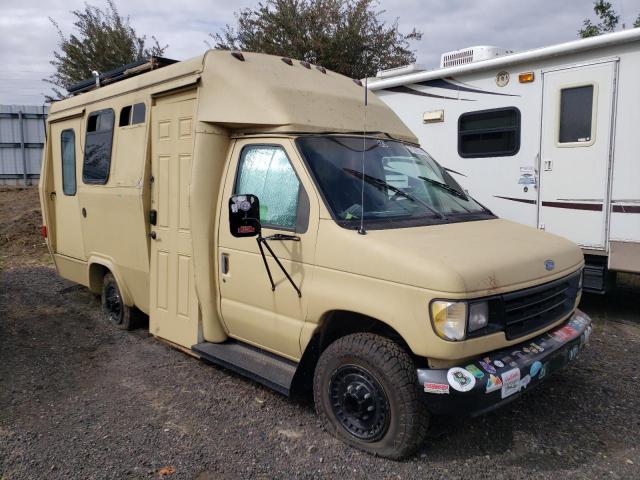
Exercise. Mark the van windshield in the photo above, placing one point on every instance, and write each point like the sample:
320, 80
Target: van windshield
400, 183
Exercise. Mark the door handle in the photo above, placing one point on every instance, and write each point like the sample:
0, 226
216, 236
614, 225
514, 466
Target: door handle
153, 235
224, 263
548, 165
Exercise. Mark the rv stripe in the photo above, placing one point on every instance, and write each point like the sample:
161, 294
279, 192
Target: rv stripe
595, 207
441, 83
411, 91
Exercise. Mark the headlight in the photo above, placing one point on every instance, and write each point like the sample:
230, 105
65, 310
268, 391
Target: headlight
478, 316
449, 319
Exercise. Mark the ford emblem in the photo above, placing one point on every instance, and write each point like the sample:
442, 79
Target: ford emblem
549, 265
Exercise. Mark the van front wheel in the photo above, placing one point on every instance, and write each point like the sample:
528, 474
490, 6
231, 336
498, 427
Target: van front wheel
113, 307
366, 392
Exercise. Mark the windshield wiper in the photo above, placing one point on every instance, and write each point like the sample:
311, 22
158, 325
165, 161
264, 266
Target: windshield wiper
381, 183
445, 187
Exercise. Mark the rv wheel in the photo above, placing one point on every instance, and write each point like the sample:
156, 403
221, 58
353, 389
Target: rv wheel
366, 393
113, 307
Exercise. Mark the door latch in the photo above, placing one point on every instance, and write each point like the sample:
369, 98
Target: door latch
224, 263
548, 165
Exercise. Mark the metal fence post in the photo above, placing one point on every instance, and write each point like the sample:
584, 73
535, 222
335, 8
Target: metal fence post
22, 149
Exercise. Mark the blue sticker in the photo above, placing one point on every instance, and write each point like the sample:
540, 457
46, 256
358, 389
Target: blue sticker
487, 366
535, 369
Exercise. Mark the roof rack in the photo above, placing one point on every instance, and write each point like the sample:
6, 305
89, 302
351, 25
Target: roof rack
125, 71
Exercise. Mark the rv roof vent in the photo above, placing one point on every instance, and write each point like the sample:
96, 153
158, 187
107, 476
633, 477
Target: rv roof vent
394, 72
471, 54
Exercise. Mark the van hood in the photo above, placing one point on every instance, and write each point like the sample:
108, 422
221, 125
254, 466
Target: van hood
477, 257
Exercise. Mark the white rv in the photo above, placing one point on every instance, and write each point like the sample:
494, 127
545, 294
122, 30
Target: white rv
547, 137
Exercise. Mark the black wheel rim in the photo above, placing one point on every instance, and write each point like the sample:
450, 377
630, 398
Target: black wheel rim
113, 304
359, 403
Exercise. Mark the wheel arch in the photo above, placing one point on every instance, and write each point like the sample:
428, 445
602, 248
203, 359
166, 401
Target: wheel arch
98, 268
333, 325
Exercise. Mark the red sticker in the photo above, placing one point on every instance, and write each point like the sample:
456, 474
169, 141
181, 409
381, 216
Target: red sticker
436, 387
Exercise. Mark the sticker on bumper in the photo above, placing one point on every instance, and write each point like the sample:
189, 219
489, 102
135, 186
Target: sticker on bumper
460, 379
441, 388
510, 382
494, 383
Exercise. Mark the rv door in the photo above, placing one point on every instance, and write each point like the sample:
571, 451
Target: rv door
66, 154
575, 151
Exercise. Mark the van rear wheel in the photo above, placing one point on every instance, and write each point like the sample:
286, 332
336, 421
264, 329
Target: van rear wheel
113, 306
367, 394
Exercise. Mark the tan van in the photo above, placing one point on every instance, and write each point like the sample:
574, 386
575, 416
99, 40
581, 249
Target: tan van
235, 200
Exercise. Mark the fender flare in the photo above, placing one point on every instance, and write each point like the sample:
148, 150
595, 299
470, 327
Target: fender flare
111, 266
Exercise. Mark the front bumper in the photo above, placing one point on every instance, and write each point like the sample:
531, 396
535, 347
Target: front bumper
499, 377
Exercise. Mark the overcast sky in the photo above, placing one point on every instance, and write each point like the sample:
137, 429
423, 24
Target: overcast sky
28, 38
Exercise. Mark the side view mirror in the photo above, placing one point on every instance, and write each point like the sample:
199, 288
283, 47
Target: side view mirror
244, 216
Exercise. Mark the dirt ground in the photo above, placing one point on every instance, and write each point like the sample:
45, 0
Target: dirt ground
80, 399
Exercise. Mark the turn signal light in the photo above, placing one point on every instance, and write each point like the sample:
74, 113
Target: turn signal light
43, 231
526, 77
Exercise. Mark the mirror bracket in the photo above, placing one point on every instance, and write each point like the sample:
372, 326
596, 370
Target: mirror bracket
263, 240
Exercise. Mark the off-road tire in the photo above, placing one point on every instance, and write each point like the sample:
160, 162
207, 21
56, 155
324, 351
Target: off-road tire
121, 316
382, 361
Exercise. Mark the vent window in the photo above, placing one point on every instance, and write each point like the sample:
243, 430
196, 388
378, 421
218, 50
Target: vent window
132, 115
489, 133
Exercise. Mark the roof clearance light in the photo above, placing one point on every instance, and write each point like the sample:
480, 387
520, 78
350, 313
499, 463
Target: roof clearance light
287, 60
357, 81
526, 77
321, 69
305, 64
238, 55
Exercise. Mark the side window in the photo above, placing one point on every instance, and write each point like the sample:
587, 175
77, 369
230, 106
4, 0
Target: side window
97, 147
489, 133
576, 115
265, 171
68, 155
132, 115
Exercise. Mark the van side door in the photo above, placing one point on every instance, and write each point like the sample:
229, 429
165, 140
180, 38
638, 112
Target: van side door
66, 154
272, 170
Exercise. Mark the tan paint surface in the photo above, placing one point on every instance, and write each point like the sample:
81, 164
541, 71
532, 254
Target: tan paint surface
200, 113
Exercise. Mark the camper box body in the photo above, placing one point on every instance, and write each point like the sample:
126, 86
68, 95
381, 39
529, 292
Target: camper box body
545, 137
144, 207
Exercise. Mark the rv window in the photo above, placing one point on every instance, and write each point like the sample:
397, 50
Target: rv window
265, 171
97, 148
489, 133
132, 115
138, 113
125, 116
576, 111
68, 154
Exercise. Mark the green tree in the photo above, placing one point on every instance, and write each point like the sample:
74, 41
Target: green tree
636, 24
609, 20
346, 36
104, 40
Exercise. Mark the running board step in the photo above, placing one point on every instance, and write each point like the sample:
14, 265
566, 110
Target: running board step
264, 367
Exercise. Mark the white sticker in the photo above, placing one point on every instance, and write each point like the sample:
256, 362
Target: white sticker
460, 379
524, 383
493, 384
441, 388
510, 382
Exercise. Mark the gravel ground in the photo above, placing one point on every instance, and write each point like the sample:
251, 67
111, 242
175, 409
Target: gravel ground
80, 399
